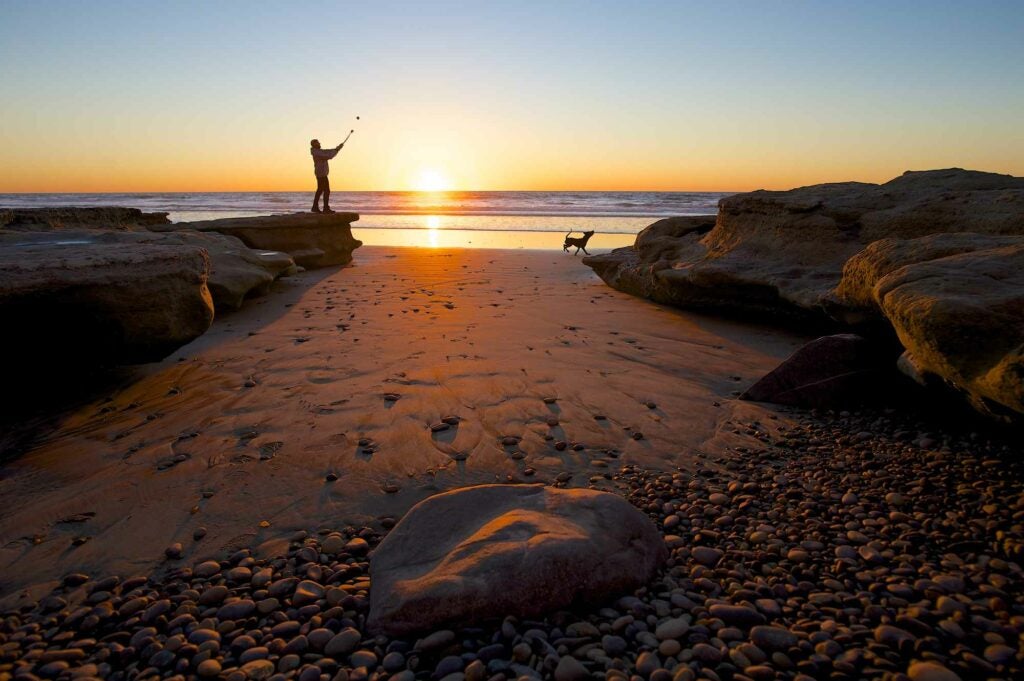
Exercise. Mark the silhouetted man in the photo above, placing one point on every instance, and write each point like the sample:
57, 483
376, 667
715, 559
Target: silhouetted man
321, 169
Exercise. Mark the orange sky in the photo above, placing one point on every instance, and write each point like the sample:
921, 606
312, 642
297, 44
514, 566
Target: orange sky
518, 96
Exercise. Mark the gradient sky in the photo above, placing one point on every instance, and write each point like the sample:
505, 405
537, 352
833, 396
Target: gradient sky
220, 96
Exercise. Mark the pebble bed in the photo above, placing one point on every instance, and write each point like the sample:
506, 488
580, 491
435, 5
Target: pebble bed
849, 546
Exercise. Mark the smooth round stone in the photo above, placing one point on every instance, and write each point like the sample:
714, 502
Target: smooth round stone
672, 628
647, 662
448, 665
931, 671
236, 609
570, 669
289, 662
357, 546
846, 551
475, 671
208, 668
310, 673
344, 642
669, 648
737, 615
891, 636
332, 544
772, 638
707, 556
998, 654
393, 662
206, 569
613, 646
307, 592
582, 629
202, 635
364, 658
254, 653
318, 638
702, 652
437, 640
258, 669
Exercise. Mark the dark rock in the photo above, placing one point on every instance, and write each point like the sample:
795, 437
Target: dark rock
828, 371
453, 557
311, 239
59, 219
122, 304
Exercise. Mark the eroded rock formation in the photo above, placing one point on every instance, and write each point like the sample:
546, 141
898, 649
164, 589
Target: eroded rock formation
956, 302
311, 239
100, 217
929, 255
66, 303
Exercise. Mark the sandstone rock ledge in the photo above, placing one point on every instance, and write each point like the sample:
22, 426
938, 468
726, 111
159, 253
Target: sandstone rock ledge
312, 240
931, 257
236, 271
67, 303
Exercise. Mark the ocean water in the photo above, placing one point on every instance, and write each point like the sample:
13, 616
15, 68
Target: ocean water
605, 212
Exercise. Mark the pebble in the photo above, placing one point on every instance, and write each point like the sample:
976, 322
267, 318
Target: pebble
706, 555
772, 638
343, 643
931, 671
206, 569
672, 628
737, 615
570, 669
364, 658
208, 668
646, 663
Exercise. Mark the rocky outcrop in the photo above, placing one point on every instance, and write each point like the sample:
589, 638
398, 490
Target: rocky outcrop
67, 303
101, 217
236, 271
782, 253
832, 371
956, 302
311, 239
927, 257
498, 550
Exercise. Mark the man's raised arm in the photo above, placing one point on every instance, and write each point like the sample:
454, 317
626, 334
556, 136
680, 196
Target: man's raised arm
327, 153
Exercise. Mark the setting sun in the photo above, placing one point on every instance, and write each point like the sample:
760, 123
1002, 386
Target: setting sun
431, 180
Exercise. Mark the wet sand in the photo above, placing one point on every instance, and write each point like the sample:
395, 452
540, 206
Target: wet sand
253, 431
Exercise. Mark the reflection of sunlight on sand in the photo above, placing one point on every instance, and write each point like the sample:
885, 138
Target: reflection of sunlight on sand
433, 224
443, 236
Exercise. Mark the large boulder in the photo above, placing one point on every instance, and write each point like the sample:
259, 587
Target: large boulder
831, 371
311, 239
782, 253
495, 550
956, 302
68, 303
100, 217
236, 271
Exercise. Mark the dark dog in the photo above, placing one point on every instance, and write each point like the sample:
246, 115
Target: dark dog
577, 241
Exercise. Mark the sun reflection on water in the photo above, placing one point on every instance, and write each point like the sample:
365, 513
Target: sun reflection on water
433, 224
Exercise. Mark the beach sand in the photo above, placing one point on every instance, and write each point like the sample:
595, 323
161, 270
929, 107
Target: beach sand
244, 426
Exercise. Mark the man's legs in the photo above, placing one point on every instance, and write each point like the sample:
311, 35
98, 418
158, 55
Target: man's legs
320, 183
327, 195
